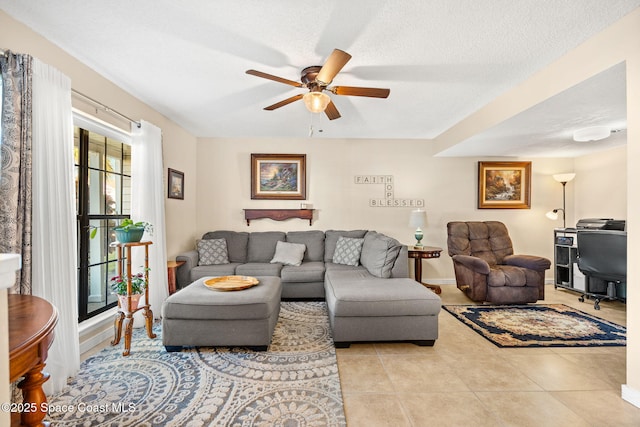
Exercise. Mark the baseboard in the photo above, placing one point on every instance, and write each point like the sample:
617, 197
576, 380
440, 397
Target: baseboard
453, 281
96, 340
631, 395
96, 330
440, 281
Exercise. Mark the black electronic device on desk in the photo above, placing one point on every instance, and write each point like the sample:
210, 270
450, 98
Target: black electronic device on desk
601, 224
564, 240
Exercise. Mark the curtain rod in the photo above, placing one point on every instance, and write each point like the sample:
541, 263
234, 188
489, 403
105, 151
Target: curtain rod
105, 108
96, 102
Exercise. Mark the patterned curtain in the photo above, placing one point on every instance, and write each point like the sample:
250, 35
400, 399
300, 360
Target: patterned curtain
15, 173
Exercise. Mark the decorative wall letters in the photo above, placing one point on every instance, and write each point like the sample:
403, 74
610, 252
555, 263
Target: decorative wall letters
388, 200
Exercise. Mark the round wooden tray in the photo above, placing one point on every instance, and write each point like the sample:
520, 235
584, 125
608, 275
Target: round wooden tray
231, 283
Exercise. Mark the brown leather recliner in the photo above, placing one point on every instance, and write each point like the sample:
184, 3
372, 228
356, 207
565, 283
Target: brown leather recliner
486, 268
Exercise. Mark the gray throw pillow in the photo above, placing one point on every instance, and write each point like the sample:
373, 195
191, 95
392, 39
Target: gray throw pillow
289, 253
331, 240
212, 252
379, 254
348, 251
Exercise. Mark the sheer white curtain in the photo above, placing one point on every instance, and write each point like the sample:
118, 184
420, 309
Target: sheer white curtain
147, 195
54, 225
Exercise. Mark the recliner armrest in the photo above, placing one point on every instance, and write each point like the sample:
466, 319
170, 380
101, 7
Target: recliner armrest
531, 262
475, 264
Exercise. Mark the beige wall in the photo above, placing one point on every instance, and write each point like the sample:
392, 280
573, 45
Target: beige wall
600, 186
179, 147
447, 185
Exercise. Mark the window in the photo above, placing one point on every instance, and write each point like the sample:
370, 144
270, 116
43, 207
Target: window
103, 198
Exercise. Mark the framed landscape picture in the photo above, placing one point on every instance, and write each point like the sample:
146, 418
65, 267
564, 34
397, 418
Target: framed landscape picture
176, 184
278, 176
504, 185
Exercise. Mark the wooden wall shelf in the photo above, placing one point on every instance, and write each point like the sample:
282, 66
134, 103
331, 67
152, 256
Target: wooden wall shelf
278, 214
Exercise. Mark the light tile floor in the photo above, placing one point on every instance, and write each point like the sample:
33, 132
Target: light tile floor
464, 380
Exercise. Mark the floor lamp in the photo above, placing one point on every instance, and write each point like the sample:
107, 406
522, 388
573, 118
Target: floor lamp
562, 178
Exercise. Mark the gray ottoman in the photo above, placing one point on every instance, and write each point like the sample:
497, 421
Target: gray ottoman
366, 308
199, 316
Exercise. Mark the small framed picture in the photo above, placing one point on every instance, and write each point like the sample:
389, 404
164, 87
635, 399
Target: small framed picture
278, 176
504, 185
176, 184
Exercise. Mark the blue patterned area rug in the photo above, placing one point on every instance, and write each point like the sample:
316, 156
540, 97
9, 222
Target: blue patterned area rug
546, 325
294, 383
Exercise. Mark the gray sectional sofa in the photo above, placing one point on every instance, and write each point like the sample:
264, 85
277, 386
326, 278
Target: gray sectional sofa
363, 276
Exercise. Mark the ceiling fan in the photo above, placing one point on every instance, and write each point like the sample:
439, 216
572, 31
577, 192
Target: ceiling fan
317, 79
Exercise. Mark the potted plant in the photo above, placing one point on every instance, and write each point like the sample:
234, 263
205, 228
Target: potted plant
129, 231
138, 285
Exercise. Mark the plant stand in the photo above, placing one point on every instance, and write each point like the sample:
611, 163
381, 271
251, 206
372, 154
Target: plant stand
124, 314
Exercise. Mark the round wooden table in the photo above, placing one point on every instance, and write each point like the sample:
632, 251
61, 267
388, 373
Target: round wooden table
418, 253
31, 323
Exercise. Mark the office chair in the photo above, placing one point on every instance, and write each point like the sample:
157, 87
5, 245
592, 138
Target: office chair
602, 254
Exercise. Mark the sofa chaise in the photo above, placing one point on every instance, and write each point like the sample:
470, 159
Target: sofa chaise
363, 276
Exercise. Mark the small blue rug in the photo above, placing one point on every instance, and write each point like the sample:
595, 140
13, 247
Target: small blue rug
547, 325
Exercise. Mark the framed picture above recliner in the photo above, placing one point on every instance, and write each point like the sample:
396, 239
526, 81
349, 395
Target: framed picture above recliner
504, 185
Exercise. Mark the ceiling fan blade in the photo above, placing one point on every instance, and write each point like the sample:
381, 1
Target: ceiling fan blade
274, 78
331, 111
283, 103
372, 92
334, 64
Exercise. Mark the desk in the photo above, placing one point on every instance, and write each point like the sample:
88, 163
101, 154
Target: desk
420, 253
31, 324
172, 268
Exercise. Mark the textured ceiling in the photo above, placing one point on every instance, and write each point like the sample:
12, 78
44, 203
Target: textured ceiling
547, 128
442, 60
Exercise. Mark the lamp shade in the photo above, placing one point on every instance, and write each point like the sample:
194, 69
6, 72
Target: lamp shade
316, 102
418, 218
552, 214
564, 177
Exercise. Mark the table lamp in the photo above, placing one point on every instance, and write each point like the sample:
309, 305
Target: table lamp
417, 220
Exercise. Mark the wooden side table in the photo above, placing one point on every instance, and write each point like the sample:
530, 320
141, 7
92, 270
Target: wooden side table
31, 324
124, 313
172, 268
418, 253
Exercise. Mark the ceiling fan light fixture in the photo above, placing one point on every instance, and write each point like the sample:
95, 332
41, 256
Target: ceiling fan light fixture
594, 133
316, 102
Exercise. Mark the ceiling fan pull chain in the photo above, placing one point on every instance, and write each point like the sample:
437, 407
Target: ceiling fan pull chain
311, 126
